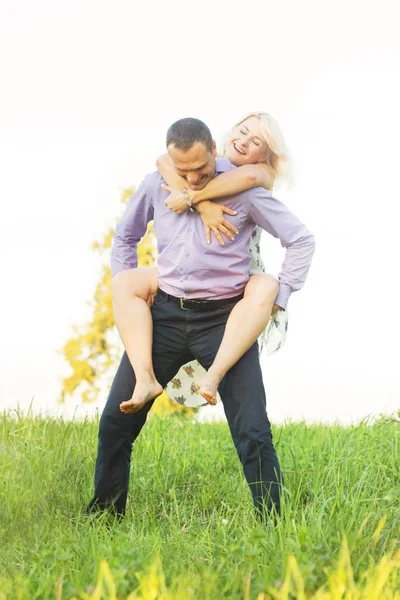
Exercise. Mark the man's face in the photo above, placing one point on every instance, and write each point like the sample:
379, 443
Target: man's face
196, 165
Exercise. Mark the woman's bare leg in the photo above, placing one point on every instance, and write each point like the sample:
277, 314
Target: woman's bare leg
130, 291
246, 322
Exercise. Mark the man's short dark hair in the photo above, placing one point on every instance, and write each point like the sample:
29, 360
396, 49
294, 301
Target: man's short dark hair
186, 132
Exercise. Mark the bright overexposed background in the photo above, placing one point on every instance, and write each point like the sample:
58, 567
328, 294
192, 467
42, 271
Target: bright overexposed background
88, 89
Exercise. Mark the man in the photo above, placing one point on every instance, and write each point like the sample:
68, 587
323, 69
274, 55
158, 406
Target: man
198, 287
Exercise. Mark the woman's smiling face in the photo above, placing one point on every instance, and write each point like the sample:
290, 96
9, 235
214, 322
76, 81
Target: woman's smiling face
246, 144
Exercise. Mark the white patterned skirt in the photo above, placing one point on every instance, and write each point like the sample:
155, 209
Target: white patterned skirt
184, 388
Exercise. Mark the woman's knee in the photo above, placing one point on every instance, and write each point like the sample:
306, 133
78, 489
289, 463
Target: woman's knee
139, 283
262, 288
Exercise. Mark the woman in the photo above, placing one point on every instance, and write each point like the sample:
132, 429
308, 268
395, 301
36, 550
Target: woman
256, 147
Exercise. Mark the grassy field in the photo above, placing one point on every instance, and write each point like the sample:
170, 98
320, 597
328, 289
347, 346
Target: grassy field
190, 532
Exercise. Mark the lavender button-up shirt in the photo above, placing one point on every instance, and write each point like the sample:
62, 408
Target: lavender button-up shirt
188, 267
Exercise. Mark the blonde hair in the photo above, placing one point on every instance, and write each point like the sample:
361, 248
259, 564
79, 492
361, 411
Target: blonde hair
278, 157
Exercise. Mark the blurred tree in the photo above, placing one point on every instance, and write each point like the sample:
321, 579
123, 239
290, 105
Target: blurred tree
95, 349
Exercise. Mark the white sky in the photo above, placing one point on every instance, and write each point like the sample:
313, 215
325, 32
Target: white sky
88, 90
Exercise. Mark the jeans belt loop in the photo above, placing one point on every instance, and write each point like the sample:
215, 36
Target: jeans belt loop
181, 301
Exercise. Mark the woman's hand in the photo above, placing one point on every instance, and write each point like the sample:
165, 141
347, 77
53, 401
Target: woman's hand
212, 215
176, 200
150, 300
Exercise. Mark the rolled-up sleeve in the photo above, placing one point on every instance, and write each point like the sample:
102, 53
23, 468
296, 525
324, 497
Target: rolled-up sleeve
132, 227
273, 216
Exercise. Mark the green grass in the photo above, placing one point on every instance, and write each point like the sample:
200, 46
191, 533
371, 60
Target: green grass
190, 507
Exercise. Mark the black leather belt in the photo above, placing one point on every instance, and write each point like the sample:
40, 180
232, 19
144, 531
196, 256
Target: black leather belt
198, 303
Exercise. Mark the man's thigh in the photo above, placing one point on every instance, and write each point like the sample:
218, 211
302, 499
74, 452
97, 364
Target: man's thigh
170, 340
205, 332
242, 389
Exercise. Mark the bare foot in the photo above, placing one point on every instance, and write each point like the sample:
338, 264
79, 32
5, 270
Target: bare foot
209, 387
143, 393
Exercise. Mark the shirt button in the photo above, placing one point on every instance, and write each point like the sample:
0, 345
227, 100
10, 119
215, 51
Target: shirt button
187, 254
189, 230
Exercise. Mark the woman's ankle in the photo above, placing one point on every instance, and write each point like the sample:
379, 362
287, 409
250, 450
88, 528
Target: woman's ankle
145, 377
217, 371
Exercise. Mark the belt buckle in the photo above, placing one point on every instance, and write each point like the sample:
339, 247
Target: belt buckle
181, 301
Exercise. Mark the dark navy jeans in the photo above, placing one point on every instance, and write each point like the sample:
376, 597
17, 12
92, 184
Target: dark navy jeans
179, 337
